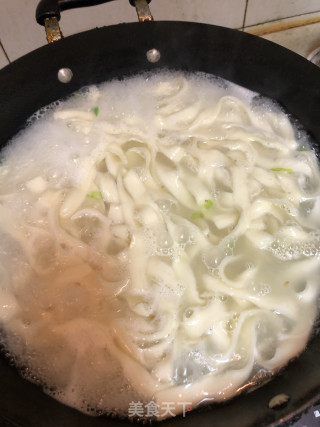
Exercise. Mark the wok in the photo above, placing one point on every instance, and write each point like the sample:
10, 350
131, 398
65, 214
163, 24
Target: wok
118, 51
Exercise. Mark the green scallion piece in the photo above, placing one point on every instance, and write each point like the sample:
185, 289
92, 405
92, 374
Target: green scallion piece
303, 149
95, 111
288, 170
208, 204
95, 195
197, 215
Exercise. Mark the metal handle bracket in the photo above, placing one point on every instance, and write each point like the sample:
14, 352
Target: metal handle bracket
143, 10
48, 13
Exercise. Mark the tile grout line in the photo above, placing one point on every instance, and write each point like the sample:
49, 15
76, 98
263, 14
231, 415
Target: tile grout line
4, 51
284, 19
245, 15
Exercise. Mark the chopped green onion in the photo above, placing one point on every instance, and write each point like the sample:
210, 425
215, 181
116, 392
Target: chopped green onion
303, 149
208, 204
282, 170
95, 110
95, 195
232, 244
197, 215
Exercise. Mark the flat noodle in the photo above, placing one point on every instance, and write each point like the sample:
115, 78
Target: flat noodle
160, 242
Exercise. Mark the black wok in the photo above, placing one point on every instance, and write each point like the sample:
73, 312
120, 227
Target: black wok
118, 51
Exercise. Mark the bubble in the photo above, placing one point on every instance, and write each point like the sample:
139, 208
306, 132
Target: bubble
54, 176
261, 289
230, 326
164, 205
306, 207
182, 234
229, 252
188, 313
292, 250
212, 257
164, 240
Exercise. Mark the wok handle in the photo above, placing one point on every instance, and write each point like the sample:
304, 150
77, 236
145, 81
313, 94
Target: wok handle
48, 13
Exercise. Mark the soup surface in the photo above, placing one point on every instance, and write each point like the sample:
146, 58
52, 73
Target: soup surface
160, 244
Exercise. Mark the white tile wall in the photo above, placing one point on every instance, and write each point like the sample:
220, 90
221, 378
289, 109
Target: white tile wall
20, 33
228, 13
303, 40
260, 11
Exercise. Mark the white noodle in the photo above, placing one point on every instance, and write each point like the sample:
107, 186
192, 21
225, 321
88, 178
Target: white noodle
168, 243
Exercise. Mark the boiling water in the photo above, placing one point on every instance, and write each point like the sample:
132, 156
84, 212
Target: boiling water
159, 243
